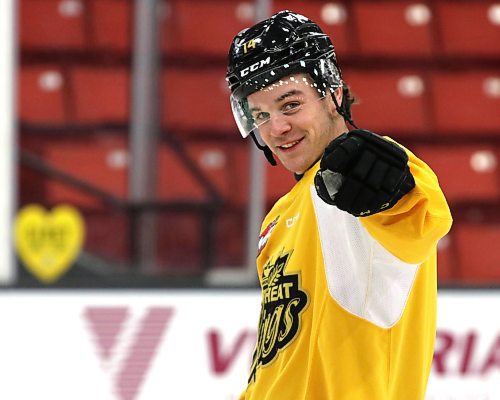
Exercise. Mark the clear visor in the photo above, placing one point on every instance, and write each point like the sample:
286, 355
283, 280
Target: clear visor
284, 97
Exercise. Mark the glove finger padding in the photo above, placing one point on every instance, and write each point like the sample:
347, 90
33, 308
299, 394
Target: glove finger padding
375, 173
340, 152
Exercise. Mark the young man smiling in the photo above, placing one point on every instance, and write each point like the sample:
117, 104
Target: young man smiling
349, 288
294, 123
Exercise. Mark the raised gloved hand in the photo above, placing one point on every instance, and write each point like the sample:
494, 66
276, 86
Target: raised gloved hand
363, 173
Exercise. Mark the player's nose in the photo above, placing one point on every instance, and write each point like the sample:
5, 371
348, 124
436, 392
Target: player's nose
279, 125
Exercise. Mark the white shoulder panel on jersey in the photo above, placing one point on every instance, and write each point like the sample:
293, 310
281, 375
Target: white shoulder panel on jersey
363, 277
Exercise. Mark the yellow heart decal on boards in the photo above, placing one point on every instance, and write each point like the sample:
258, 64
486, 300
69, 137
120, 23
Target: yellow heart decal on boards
48, 242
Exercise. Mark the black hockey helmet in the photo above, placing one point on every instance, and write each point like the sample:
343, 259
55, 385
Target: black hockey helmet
282, 45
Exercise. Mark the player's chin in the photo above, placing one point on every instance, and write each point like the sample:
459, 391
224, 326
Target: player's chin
294, 164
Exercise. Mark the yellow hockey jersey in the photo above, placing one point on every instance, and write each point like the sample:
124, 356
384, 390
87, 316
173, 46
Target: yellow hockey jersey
348, 304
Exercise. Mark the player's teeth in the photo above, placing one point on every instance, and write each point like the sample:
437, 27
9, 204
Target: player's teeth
287, 146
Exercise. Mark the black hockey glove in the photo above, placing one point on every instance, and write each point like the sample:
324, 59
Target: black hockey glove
363, 173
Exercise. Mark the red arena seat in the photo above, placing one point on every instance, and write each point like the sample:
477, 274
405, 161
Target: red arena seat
197, 99
477, 246
52, 24
100, 161
389, 28
392, 102
112, 24
42, 95
101, 95
448, 268
230, 238
465, 173
203, 28
226, 166
279, 181
180, 242
333, 18
175, 181
469, 28
223, 164
467, 102
107, 234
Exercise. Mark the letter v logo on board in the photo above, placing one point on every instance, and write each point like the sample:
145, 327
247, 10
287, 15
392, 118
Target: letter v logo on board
125, 348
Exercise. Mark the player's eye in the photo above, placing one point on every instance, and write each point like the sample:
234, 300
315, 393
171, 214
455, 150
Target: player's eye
291, 107
261, 117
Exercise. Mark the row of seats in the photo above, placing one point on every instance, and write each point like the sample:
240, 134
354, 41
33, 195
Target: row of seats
469, 254
104, 162
180, 239
397, 102
421, 29
466, 172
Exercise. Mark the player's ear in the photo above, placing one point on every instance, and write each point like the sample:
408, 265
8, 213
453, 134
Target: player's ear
339, 94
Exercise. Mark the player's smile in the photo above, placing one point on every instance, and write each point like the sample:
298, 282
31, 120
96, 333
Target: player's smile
290, 145
294, 121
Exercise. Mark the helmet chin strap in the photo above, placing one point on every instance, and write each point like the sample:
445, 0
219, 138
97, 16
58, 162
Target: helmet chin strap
342, 112
267, 151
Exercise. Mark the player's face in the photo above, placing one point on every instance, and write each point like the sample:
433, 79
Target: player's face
294, 122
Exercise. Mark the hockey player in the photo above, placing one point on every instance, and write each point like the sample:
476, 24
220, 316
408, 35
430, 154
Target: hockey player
347, 259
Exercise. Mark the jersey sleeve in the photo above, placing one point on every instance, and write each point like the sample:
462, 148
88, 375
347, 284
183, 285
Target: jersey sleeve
411, 229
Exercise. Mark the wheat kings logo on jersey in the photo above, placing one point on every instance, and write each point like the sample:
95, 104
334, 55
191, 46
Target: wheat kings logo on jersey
282, 303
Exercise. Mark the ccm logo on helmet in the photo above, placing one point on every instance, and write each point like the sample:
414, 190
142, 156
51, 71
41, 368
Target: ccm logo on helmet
255, 67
